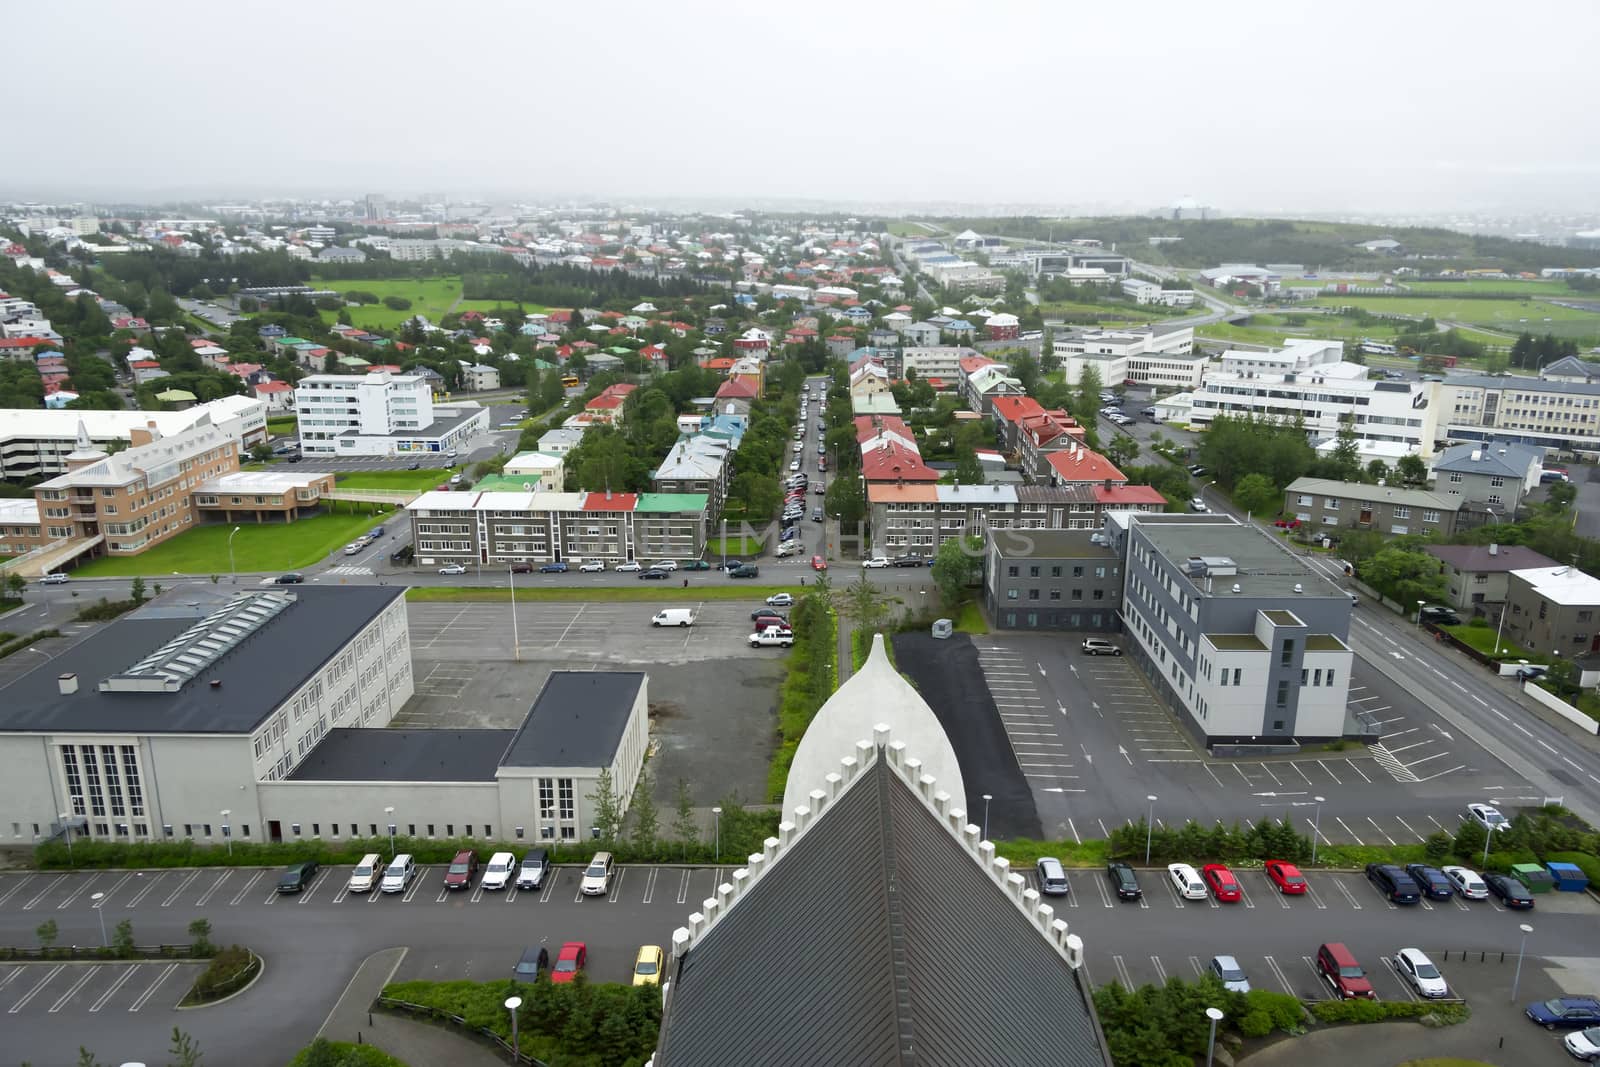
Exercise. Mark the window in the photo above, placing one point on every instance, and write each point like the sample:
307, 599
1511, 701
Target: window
1277, 725
1331, 503
1055, 594
547, 800
1099, 594
1012, 571
1283, 694
1237, 673
1287, 656
1011, 594
568, 806
1401, 512
430, 829
449, 829
1055, 572
316, 829
1077, 594
1224, 677
1305, 676
1077, 572
1317, 676
1429, 515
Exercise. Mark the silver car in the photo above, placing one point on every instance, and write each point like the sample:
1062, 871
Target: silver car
1226, 970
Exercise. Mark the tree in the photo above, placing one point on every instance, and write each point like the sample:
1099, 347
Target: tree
1122, 450
1561, 677
684, 825
15, 586
1404, 575
200, 937
1378, 471
1412, 469
605, 807
86, 1058
122, 938
1085, 403
1345, 460
957, 565
846, 501
646, 821
864, 602
968, 470
46, 932
136, 592
261, 453
1257, 495
183, 1050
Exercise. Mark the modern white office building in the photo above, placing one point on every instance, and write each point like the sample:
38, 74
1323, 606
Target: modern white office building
1147, 292
1156, 355
379, 414
35, 442
1309, 380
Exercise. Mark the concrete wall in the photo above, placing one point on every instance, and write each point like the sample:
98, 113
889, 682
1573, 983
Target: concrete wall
451, 808
191, 778
29, 792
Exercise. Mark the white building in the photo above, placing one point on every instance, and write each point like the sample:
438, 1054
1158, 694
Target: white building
559, 441
1155, 355
411, 249
545, 473
479, 377
1145, 292
1559, 412
36, 442
938, 361
1308, 380
379, 414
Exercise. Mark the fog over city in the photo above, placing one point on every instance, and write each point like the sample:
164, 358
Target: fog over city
1371, 106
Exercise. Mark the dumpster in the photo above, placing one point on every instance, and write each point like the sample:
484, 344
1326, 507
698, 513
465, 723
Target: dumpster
1535, 877
1568, 878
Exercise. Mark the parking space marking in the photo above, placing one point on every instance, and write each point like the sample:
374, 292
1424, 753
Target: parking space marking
1335, 777
1348, 896
317, 883
116, 985
35, 991
13, 976
650, 885
1340, 820
1161, 972
239, 896
416, 884
1122, 972
1378, 828
150, 990
1318, 986
616, 890
118, 884
205, 897
72, 990
550, 886
1409, 829
9, 893
1277, 972
150, 882
173, 896
66, 901
1105, 894
30, 905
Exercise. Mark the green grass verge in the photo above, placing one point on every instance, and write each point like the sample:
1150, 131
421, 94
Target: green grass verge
419, 479
813, 674
267, 547
644, 592
344, 1054
283, 424
970, 620
735, 547
1513, 315
1244, 335
1542, 287
1482, 639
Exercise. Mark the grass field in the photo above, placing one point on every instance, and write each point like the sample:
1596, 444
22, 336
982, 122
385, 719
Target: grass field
1513, 315
489, 306
907, 229
269, 547
733, 546
1114, 311
430, 297
1542, 287
725, 589
423, 479
970, 620
1246, 335
282, 424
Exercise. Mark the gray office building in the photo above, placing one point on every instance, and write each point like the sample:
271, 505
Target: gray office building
1052, 580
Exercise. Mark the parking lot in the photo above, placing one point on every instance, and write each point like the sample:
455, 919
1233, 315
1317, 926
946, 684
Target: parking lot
66, 989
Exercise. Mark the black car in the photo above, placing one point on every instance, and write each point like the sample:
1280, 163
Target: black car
747, 570
731, 565
1124, 881
403, 554
297, 876
292, 578
414, 465
909, 561
534, 962
652, 575
1393, 883
1511, 891
1440, 616
1434, 884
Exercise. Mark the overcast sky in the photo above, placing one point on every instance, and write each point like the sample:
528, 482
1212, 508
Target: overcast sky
1400, 105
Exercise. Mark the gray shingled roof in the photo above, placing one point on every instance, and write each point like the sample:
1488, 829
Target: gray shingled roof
1501, 458
856, 949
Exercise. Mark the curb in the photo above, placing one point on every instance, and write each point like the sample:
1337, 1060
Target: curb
260, 970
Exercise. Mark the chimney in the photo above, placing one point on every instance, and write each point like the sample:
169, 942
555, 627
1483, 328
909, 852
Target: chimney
68, 683
1494, 550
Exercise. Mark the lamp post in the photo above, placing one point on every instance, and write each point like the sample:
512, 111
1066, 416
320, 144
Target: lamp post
1149, 824
1419, 613
227, 831
512, 1004
986, 798
98, 910
1316, 827
66, 829
1215, 1015
1488, 836
388, 815
716, 832
1515, 981
233, 572
516, 645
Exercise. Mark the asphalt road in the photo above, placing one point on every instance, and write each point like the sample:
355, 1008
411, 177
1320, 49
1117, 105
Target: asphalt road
313, 943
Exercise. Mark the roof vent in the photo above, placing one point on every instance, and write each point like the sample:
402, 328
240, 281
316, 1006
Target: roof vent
216, 683
1236, 588
1298, 588
1494, 550
68, 683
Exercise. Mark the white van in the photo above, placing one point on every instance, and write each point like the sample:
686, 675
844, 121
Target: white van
1186, 881
399, 874
674, 617
498, 873
365, 875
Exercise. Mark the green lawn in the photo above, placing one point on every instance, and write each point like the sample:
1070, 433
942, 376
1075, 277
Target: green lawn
488, 306
970, 620
733, 546
908, 229
1248, 335
699, 589
430, 297
1514, 315
422, 479
282, 424
268, 547
1482, 639
1116, 311
1542, 287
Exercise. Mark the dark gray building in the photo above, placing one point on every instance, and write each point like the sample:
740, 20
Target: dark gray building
1051, 580
1238, 636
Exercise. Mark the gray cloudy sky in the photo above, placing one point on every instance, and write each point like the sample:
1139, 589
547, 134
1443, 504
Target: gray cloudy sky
1390, 106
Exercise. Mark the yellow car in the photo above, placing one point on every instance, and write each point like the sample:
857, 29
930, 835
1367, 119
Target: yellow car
647, 968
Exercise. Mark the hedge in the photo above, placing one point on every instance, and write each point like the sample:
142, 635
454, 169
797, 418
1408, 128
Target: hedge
1376, 1011
1158, 1026
325, 1053
17, 644
813, 676
576, 1024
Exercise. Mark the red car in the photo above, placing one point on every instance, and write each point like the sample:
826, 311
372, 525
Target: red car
1286, 876
574, 955
818, 563
462, 871
1224, 886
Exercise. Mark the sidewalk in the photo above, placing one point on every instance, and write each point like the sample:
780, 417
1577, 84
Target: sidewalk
418, 1044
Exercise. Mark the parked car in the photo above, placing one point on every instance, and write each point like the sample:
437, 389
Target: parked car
695, 565
453, 568
629, 567
748, 570
497, 875
297, 876
1224, 886
772, 637
1186, 881
573, 958
1286, 876
1441, 616
1584, 1044
647, 965
1124, 882
1565, 1013
1466, 883
596, 879
462, 870
1488, 817
673, 617
1226, 970
769, 613
780, 600
1052, 877
875, 562
354, 548
535, 865
1419, 972
590, 566
533, 962
1431, 880
1395, 884
1196, 504
1099, 646
731, 565
1339, 968
1511, 891
561, 568
522, 568
398, 875
910, 561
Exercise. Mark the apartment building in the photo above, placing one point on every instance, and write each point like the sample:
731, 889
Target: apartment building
379, 414
1051, 580
1161, 355
496, 527
35, 442
1327, 504
700, 464
1029, 432
919, 518
1144, 292
262, 496
1493, 473
1554, 610
1478, 575
1559, 412
1308, 380
1239, 637
936, 363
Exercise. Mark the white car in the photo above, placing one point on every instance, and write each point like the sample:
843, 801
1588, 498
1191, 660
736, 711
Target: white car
591, 566
54, 579
1488, 817
1584, 1044
1467, 884
453, 568
354, 548
1186, 881
1418, 970
798, 447
795, 465
630, 566
664, 565
1226, 970
498, 872
597, 876
780, 600
875, 562
772, 635
1198, 505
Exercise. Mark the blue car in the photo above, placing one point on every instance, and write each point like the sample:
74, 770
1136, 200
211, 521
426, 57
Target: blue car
553, 568
1565, 1013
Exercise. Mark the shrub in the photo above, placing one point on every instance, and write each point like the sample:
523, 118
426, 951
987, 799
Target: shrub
1267, 839
1438, 846
1589, 865
397, 303
1255, 1024
325, 1053
1372, 1011
227, 972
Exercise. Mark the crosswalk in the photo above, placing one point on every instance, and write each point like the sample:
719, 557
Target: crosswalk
351, 570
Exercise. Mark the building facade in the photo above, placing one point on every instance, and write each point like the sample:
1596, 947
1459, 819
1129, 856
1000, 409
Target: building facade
35, 443
379, 414
1554, 610
497, 528
1560, 413
1493, 473
1327, 504
1051, 580
1477, 575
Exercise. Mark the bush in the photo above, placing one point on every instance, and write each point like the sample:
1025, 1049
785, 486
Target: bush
20, 643
325, 1053
1374, 1011
1255, 1024
1589, 865
227, 973
104, 610
1166, 1024
1267, 839
397, 303
811, 679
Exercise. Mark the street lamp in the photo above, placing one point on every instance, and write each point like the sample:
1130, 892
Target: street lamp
1316, 828
233, 572
1419, 613
388, 814
512, 1004
716, 830
986, 798
516, 643
1149, 824
66, 828
1515, 981
98, 910
227, 831
1488, 836
1215, 1015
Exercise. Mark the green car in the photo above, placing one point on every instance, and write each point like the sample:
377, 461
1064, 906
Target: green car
297, 876
694, 565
